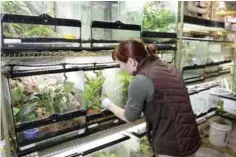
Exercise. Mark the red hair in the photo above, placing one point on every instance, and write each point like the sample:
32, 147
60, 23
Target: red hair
135, 49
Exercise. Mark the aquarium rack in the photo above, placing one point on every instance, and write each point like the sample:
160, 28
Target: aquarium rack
39, 44
93, 123
110, 25
203, 22
204, 76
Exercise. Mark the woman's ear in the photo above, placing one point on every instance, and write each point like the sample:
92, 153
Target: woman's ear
132, 62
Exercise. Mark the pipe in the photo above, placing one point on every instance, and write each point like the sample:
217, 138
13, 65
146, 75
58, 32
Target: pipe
180, 45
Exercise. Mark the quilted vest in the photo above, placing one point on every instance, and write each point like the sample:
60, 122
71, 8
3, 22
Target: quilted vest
171, 125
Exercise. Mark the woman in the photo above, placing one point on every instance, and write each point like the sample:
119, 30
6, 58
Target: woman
158, 90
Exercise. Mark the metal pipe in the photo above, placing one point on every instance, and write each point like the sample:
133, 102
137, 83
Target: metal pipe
234, 64
5, 121
179, 52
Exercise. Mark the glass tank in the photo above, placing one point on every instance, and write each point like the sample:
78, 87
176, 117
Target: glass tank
116, 145
194, 52
46, 95
219, 51
140, 146
160, 16
45, 106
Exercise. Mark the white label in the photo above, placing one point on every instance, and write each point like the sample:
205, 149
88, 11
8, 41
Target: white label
116, 121
81, 131
93, 125
9, 41
28, 146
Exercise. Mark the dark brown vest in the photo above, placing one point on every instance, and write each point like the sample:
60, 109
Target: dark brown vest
171, 125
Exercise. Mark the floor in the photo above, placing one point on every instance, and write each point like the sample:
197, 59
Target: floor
208, 150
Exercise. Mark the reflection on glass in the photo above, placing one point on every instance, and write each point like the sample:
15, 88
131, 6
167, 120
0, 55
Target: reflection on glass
104, 11
130, 12
194, 52
118, 150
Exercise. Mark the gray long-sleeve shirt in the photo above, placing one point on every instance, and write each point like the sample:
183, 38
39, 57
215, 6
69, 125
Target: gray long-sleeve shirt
141, 90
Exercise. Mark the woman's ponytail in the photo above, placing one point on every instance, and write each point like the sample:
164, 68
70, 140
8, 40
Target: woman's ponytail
151, 50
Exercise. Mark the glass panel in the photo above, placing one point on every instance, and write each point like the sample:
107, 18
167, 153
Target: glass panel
160, 16
28, 7
166, 56
48, 131
104, 11
43, 31
68, 9
113, 34
40, 96
194, 52
130, 12
118, 150
220, 52
112, 80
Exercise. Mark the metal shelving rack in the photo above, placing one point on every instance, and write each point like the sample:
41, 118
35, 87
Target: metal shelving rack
205, 23
9, 53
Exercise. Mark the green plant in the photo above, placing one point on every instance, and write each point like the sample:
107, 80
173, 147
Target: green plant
52, 99
125, 79
158, 18
93, 91
104, 154
57, 98
145, 147
24, 105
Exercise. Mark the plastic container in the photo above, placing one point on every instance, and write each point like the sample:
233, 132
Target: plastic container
31, 134
219, 133
2, 148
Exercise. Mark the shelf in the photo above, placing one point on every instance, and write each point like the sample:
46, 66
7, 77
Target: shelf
43, 19
147, 34
13, 74
208, 40
203, 22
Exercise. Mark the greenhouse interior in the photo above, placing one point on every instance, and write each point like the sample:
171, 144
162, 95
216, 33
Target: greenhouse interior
57, 67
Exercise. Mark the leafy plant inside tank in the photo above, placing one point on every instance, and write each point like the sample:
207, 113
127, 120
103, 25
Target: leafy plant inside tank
93, 91
145, 148
125, 79
158, 18
104, 154
23, 30
24, 104
34, 103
